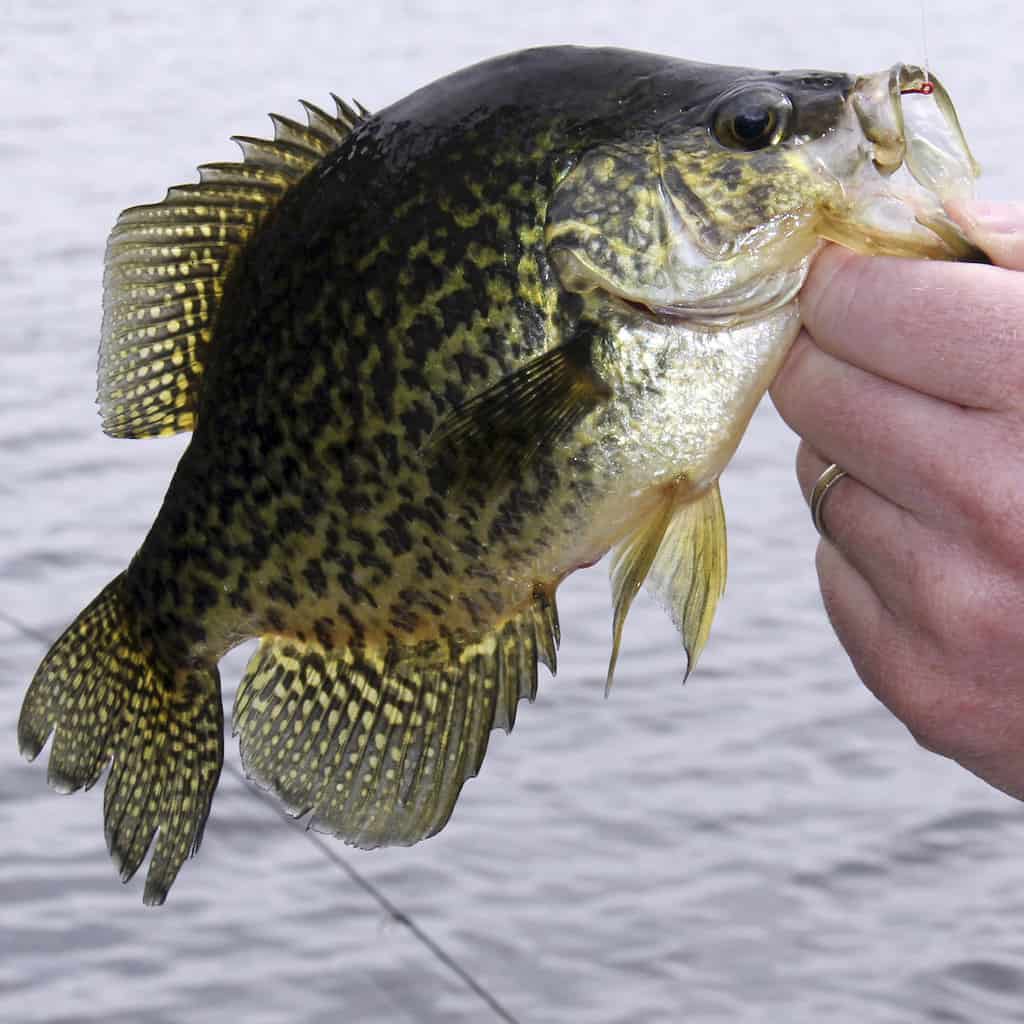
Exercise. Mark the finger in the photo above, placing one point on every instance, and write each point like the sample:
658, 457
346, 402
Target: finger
909, 447
883, 542
886, 653
858, 617
998, 228
950, 330
949, 713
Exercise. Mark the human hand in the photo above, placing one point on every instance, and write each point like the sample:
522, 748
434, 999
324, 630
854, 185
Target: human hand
910, 375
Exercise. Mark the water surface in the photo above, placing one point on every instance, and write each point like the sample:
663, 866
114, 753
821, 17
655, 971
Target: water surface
766, 845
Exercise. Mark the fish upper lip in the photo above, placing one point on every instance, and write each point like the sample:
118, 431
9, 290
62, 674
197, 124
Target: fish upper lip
878, 103
919, 158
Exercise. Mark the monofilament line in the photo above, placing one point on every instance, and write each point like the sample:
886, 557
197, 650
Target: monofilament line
924, 43
389, 908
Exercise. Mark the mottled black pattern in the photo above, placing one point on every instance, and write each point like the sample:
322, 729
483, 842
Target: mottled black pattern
435, 360
404, 275
410, 423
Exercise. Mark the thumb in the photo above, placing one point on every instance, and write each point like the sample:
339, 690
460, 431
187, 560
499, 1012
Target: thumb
997, 228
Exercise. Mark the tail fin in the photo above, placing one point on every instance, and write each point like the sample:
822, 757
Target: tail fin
104, 694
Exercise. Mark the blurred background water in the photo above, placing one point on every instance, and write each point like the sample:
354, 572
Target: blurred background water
765, 845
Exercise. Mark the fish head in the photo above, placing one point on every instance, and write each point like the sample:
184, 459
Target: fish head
709, 208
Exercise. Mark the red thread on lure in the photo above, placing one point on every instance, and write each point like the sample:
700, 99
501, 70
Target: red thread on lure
924, 90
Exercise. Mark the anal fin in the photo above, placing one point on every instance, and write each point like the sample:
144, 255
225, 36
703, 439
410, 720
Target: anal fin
680, 551
377, 745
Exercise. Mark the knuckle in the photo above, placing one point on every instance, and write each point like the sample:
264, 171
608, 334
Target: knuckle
954, 722
949, 603
940, 711
899, 676
951, 685
944, 657
926, 736
935, 733
991, 507
964, 611
976, 486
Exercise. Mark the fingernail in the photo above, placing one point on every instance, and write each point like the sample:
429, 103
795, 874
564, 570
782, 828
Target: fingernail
993, 217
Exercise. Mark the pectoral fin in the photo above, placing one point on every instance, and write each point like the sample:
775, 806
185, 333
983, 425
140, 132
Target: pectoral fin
680, 550
501, 429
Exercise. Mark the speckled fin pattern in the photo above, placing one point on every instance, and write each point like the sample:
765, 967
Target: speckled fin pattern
378, 747
104, 694
166, 264
680, 551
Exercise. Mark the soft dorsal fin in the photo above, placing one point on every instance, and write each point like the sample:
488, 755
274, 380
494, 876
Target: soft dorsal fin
166, 264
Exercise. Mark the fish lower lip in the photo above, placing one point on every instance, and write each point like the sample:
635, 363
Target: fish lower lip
963, 250
649, 310
671, 312
707, 313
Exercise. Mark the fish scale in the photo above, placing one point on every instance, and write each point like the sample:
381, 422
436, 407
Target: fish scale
435, 359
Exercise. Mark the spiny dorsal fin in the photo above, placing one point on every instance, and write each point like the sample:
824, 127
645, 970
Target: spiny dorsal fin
165, 269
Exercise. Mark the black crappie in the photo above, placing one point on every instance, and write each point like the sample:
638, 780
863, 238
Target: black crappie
434, 360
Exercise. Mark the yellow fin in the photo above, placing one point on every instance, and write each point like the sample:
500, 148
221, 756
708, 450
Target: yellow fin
688, 575
680, 550
378, 745
165, 268
107, 697
631, 562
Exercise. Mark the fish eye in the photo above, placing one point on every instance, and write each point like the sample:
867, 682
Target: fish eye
752, 119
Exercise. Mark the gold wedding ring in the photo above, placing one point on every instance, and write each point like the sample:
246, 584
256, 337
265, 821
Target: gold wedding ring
828, 479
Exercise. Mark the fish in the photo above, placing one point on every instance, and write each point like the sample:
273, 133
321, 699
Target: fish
433, 360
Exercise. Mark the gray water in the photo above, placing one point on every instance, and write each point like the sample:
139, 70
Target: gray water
767, 844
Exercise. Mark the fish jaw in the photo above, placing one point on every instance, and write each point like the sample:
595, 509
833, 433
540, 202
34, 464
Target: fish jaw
679, 223
652, 223
897, 156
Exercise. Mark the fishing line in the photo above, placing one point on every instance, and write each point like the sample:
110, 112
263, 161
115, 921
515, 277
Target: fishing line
390, 908
924, 44
926, 88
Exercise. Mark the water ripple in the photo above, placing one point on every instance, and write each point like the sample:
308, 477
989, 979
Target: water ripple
762, 844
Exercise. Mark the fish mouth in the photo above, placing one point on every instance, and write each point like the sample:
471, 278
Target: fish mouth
939, 164
713, 238
749, 300
918, 161
750, 297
